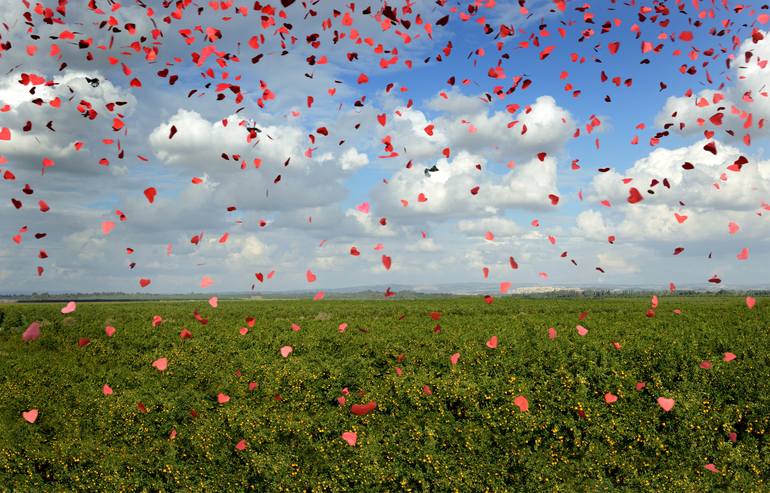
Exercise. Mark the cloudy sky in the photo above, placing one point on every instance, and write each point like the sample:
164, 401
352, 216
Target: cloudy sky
540, 116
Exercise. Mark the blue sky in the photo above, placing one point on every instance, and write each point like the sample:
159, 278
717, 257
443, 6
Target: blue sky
329, 185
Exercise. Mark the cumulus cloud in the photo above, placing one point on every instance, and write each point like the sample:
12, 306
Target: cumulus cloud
709, 184
734, 112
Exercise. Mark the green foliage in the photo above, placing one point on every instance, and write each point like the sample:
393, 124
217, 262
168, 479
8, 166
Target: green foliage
467, 436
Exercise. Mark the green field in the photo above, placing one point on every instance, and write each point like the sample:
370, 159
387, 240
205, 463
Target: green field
463, 432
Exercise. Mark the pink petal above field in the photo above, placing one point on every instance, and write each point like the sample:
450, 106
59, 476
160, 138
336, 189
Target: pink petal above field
351, 437
492, 342
522, 403
286, 351
160, 364
454, 358
582, 331
362, 409
223, 398
32, 332
30, 416
610, 398
666, 404
69, 307
110, 331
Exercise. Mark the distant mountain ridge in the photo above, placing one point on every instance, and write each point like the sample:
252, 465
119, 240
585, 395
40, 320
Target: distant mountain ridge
401, 292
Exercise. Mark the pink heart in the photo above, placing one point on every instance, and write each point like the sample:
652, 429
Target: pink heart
711, 468
492, 342
106, 390
743, 254
32, 332
295, 327
160, 364
241, 446
69, 307
666, 403
351, 437
342, 327
110, 331
243, 331
750, 302
552, 333
609, 398
310, 276
364, 207
454, 358
30, 416
214, 301
206, 281
223, 398
733, 228
582, 331
680, 219
107, 227
522, 403
286, 351
729, 357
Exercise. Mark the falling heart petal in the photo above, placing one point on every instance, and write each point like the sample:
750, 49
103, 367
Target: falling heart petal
69, 307
680, 218
454, 358
351, 437
30, 416
223, 398
492, 342
582, 331
666, 404
552, 333
286, 351
160, 364
214, 301
362, 409
522, 403
750, 302
32, 332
